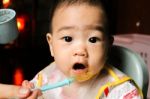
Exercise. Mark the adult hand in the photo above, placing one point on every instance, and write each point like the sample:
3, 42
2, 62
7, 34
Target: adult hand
12, 91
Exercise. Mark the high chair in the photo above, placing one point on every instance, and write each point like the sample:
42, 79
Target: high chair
131, 64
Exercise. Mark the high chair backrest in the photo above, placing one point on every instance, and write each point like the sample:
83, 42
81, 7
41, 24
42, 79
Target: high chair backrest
131, 64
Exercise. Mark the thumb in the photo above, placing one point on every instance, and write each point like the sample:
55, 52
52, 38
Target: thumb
23, 92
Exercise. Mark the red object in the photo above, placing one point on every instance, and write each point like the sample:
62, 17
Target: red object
6, 3
21, 22
106, 91
131, 95
18, 76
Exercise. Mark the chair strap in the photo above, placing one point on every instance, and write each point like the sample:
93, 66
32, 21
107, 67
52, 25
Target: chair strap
117, 81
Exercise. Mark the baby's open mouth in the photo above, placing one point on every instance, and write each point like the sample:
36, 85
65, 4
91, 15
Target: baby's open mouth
79, 66
81, 72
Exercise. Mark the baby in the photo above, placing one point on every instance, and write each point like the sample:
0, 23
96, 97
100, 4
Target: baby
79, 42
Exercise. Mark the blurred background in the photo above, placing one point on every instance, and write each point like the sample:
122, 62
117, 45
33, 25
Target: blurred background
29, 53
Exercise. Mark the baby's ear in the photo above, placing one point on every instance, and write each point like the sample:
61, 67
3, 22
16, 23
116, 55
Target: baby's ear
49, 40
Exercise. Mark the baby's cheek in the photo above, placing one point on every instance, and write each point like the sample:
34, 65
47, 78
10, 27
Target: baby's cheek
98, 69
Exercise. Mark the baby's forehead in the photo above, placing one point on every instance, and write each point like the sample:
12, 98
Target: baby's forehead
66, 5
79, 7
60, 9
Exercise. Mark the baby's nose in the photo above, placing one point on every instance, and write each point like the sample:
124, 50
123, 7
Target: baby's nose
80, 52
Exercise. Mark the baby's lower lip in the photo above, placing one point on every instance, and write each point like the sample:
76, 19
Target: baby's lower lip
79, 71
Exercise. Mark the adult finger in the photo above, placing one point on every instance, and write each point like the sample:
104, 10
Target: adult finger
35, 94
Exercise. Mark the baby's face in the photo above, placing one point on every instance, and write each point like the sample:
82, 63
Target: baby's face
77, 42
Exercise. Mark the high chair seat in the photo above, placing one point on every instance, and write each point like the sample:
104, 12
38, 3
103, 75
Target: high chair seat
131, 64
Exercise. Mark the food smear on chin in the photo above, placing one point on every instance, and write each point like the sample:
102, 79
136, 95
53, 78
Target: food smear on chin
84, 76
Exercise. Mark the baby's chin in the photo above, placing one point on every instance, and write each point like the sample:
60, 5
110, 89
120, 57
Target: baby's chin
84, 77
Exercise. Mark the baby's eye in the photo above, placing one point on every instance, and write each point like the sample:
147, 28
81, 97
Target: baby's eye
67, 38
94, 39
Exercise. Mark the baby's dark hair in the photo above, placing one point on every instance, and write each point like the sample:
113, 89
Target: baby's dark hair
55, 4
